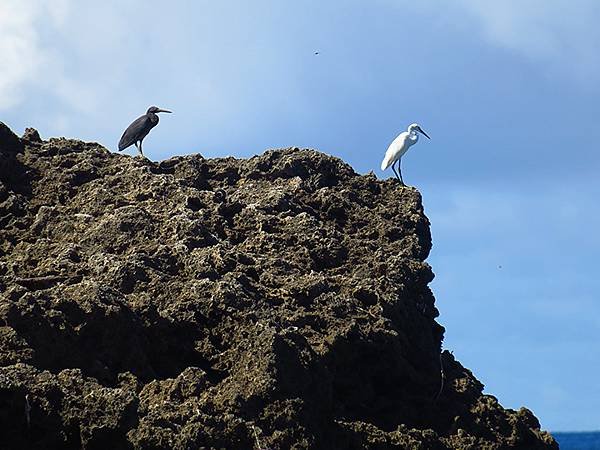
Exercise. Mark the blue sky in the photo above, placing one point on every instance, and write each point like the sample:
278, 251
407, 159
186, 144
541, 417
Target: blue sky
507, 90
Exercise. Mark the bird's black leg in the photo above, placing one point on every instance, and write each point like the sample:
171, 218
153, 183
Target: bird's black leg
400, 171
140, 149
394, 169
398, 176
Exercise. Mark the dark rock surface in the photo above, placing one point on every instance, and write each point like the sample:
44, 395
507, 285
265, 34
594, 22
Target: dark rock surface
277, 302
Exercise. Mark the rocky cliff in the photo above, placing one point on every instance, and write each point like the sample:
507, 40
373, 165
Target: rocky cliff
279, 302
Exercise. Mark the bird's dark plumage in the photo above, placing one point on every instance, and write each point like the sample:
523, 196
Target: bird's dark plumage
137, 131
140, 128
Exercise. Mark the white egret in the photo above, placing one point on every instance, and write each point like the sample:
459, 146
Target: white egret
400, 146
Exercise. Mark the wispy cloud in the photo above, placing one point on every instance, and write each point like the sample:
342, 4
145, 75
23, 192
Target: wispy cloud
25, 57
560, 33
19, 49
122, 56
35, 57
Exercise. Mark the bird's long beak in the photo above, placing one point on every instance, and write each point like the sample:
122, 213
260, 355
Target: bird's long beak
423, 133
164, 110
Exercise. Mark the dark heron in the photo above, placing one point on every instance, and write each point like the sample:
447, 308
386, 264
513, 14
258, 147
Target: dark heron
139, 129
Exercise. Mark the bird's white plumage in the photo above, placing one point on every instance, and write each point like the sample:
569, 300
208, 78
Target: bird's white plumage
397, 148
400, 145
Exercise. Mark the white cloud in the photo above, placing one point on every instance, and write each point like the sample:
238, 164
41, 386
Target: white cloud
85, 58
559, 35
30, 53
554, 31
20, 51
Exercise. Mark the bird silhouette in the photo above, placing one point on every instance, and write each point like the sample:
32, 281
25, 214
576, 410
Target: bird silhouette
139, 129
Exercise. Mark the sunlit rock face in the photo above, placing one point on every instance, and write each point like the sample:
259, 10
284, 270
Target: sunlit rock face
276, 302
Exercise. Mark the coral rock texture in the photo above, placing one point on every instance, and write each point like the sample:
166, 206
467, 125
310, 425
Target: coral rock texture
278, 302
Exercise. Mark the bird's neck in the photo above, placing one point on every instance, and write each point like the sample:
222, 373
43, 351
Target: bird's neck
153, 117
413, 136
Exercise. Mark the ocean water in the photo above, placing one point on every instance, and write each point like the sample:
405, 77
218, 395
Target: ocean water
587, 440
